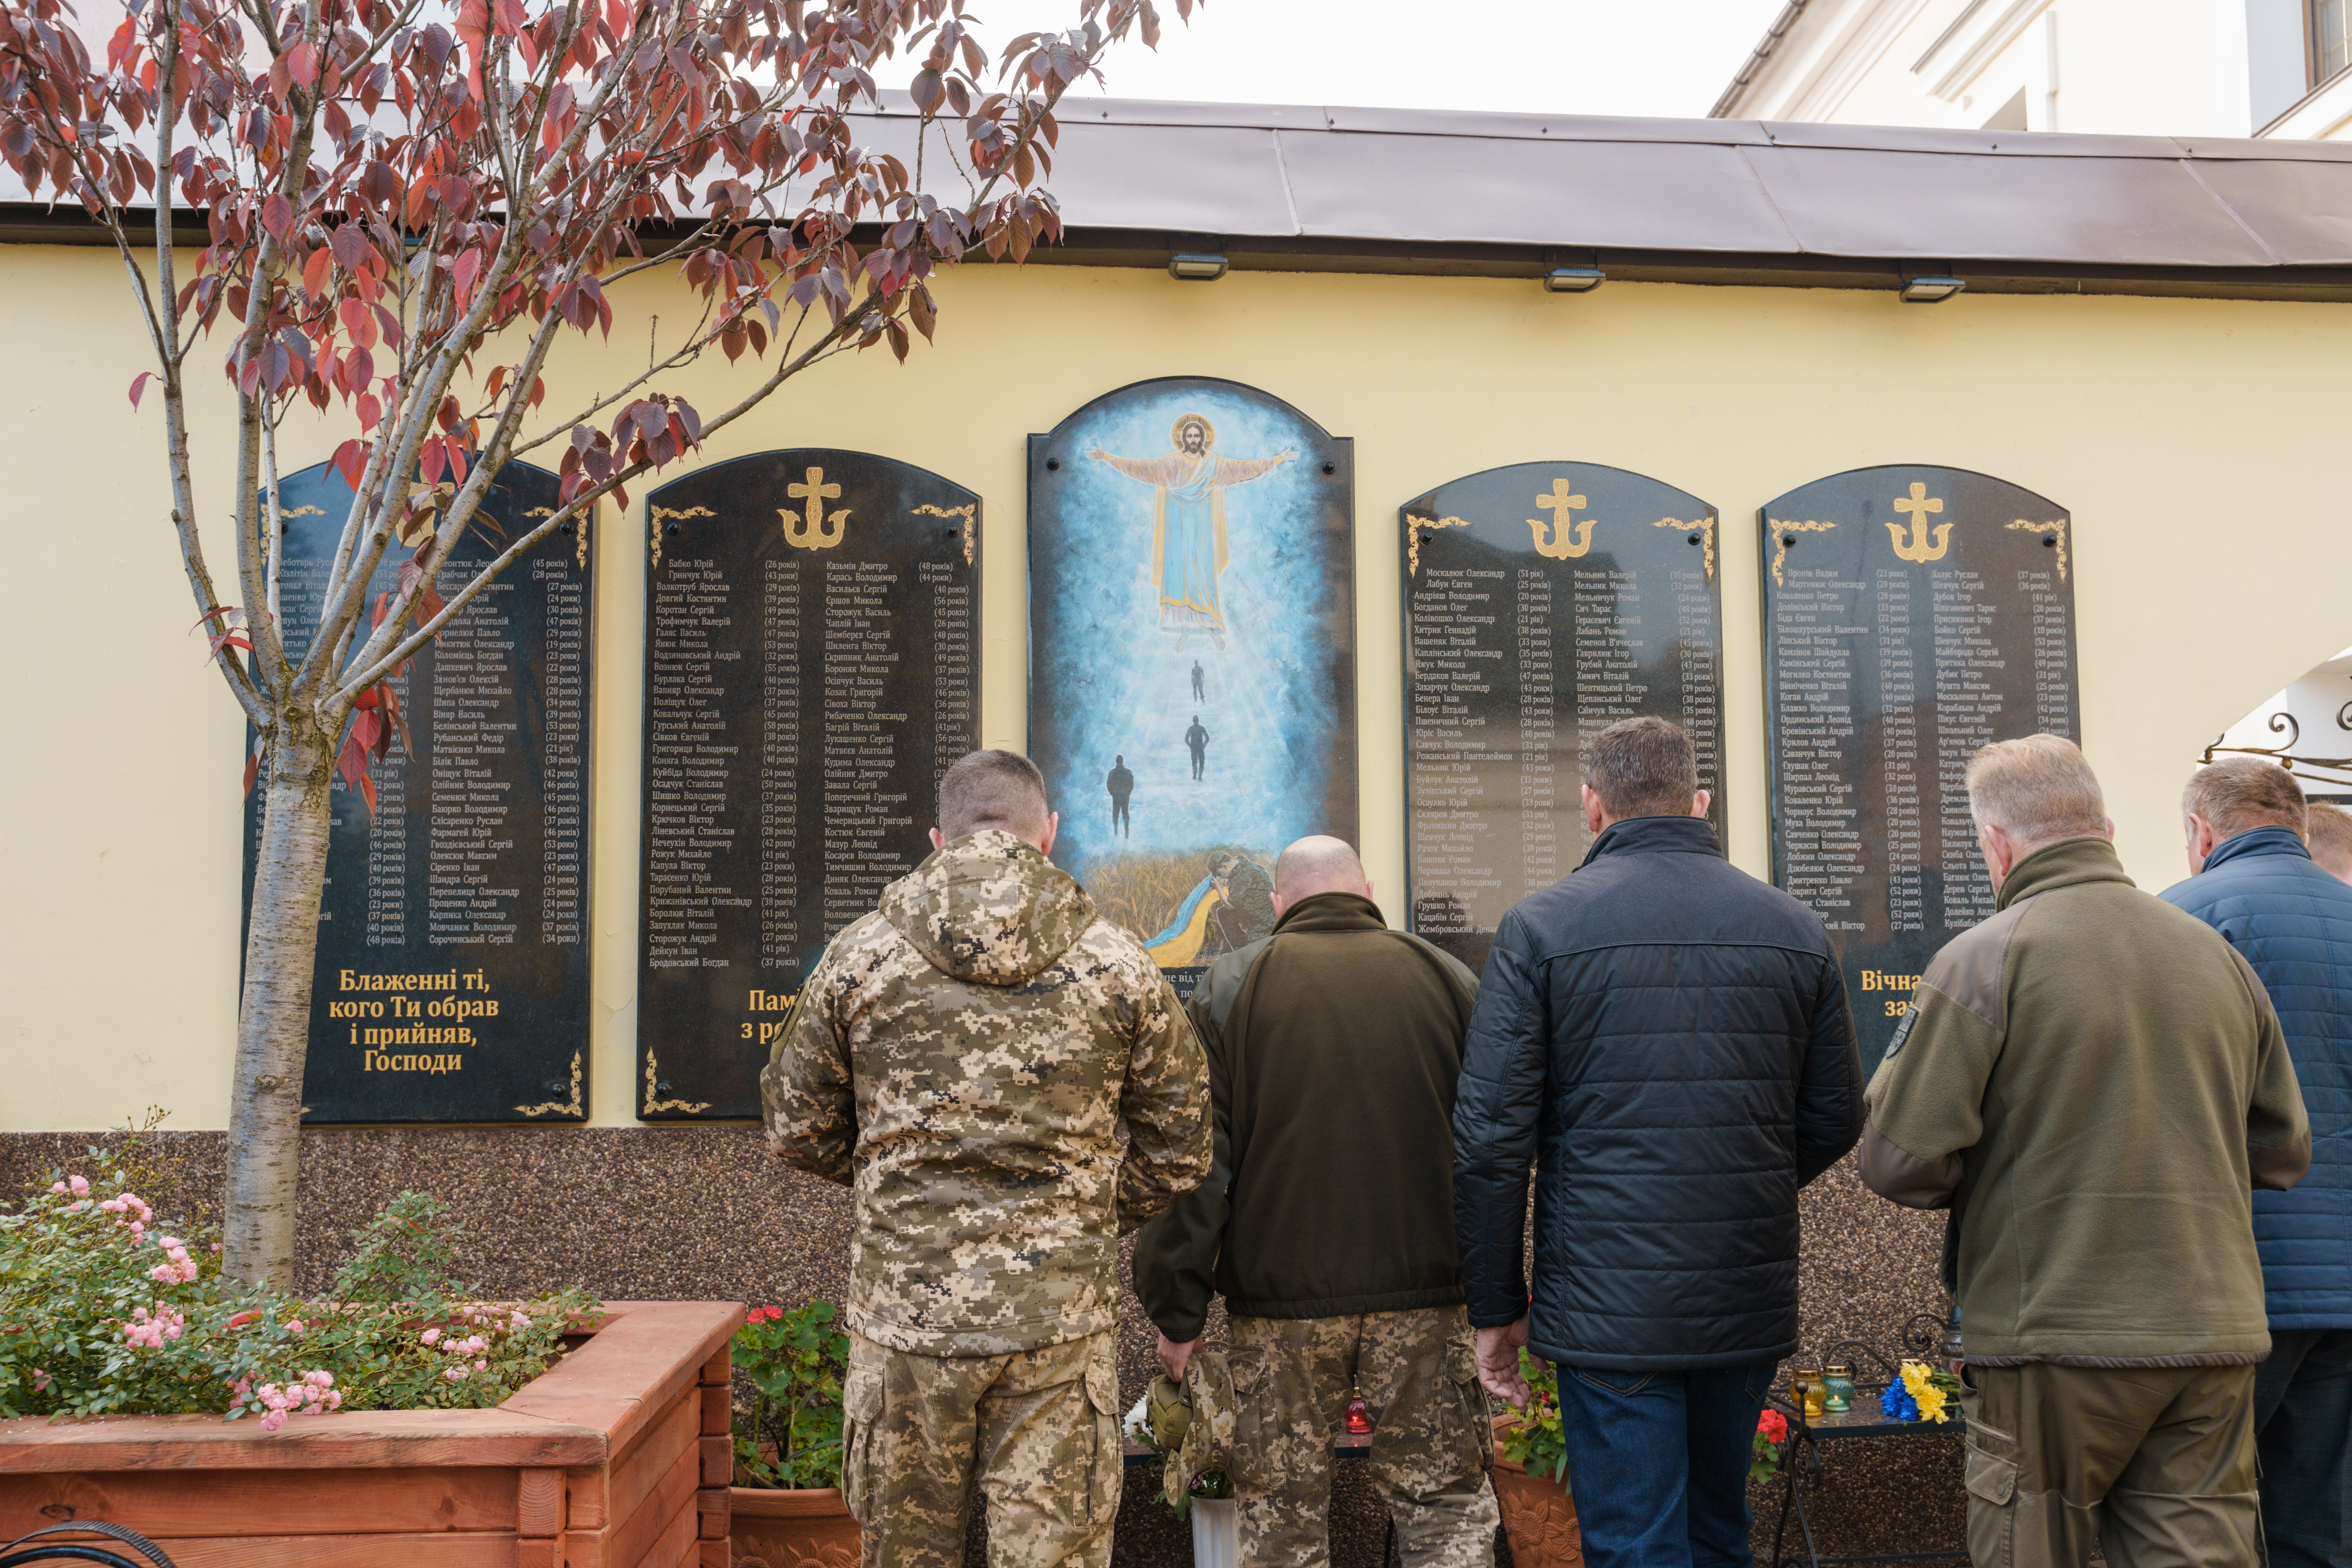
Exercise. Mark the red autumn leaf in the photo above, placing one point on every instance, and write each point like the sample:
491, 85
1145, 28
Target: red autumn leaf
139, 385
349, 458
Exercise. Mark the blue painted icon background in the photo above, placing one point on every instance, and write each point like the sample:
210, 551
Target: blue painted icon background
1108, 680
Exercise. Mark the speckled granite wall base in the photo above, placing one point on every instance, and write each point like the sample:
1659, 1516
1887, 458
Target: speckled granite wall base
702, 1212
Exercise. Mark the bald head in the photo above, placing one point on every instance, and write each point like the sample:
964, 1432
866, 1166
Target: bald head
1315, 865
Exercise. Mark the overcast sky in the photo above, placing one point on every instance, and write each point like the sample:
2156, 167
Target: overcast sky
1577, 56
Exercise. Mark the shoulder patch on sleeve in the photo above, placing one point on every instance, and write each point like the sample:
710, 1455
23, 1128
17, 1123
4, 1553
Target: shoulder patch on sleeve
1902, 1030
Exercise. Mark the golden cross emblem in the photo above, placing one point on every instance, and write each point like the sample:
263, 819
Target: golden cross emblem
814, 530
1920, 547
1565, 542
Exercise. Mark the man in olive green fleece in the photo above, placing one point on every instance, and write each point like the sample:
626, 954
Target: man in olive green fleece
1327, 1223
2093, 1082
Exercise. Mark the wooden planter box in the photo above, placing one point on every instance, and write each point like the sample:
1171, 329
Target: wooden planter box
617, 1457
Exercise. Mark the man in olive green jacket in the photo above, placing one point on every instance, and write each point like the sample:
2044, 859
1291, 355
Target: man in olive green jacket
2093, 1082
1334, 1046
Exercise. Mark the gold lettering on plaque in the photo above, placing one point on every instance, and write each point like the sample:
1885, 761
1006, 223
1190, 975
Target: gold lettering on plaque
1567, 542
1921, 547
809, 530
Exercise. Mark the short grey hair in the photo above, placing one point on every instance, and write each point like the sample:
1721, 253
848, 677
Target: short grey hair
992, 789
2039, 789
2328, 830
1642, 767
2238, 794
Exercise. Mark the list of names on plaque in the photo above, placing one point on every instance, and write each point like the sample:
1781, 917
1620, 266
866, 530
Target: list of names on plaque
1912, 614
1524, 637
811, 636
452, 960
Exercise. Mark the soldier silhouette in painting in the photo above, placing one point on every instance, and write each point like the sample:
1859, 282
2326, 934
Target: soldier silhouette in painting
1197, 738
1198, 695
1245, 911
1120, 782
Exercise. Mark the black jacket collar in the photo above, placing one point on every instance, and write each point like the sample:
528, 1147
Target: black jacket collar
1655, 836
1333, 911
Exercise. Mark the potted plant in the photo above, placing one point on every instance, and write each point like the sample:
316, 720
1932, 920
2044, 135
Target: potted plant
1207, 1498
1531, 1481
399, 1406
785, 1507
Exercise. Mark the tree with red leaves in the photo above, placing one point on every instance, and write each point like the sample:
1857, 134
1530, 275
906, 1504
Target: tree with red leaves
403, 218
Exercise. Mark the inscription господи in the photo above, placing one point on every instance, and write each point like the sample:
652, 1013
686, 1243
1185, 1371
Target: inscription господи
1543, 603
452, 965
1911, 614
810, 669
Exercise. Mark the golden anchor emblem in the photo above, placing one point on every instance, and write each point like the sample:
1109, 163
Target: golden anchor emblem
813, 530
1567, 541
1921, 545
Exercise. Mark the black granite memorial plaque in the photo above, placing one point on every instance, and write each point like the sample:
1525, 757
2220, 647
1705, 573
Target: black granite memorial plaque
812, 643
452, 981
1525, 635
1911, 614
1191, 654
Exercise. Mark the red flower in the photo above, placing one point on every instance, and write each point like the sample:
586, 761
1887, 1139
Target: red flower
1774, 1426
762, 1314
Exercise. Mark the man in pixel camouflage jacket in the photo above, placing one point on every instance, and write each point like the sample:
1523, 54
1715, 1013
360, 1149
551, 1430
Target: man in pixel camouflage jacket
963, 1058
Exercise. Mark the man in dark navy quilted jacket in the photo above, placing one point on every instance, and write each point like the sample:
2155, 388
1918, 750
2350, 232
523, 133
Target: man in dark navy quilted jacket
1667, 1039
2252, 880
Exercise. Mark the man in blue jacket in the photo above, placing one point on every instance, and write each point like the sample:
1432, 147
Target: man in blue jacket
2251, 879
1668, 1040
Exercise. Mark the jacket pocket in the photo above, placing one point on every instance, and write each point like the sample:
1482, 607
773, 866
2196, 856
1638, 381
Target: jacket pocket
861, 1410
1110, 1453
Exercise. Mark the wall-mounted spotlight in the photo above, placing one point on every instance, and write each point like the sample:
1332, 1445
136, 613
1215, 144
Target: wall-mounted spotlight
1572, 279
1196, 265
1930, 289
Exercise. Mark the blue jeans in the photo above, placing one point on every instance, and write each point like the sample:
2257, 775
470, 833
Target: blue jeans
1658, 1462
2302, 1431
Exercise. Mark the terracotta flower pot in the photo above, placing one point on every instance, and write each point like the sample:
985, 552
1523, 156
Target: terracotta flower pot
805, 1529
1538, 1515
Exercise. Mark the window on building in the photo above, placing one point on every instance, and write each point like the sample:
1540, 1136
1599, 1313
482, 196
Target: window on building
2331, 38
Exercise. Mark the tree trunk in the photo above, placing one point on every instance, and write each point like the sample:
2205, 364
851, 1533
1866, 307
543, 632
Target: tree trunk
273, 1025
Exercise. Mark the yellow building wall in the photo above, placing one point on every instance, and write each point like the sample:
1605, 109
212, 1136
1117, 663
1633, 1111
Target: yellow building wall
2197, 444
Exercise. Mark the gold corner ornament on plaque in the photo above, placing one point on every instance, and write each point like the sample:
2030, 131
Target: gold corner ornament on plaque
1705, 529
558, 1107
1922, 546
656, 516
1567, 541
2057, 530
1412, 527
654, 1086
963, 512
808, 530
1784, 536
581, 527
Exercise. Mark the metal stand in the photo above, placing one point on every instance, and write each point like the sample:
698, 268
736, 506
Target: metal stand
1922, 1334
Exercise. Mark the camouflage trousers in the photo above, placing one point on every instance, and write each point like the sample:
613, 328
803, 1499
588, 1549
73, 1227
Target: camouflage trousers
1432, 1444
1037, 1431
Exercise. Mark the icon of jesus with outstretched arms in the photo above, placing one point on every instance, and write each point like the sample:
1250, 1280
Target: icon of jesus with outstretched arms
1188, 521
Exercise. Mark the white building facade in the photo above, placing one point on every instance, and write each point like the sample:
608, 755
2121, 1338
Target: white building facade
2170, 68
